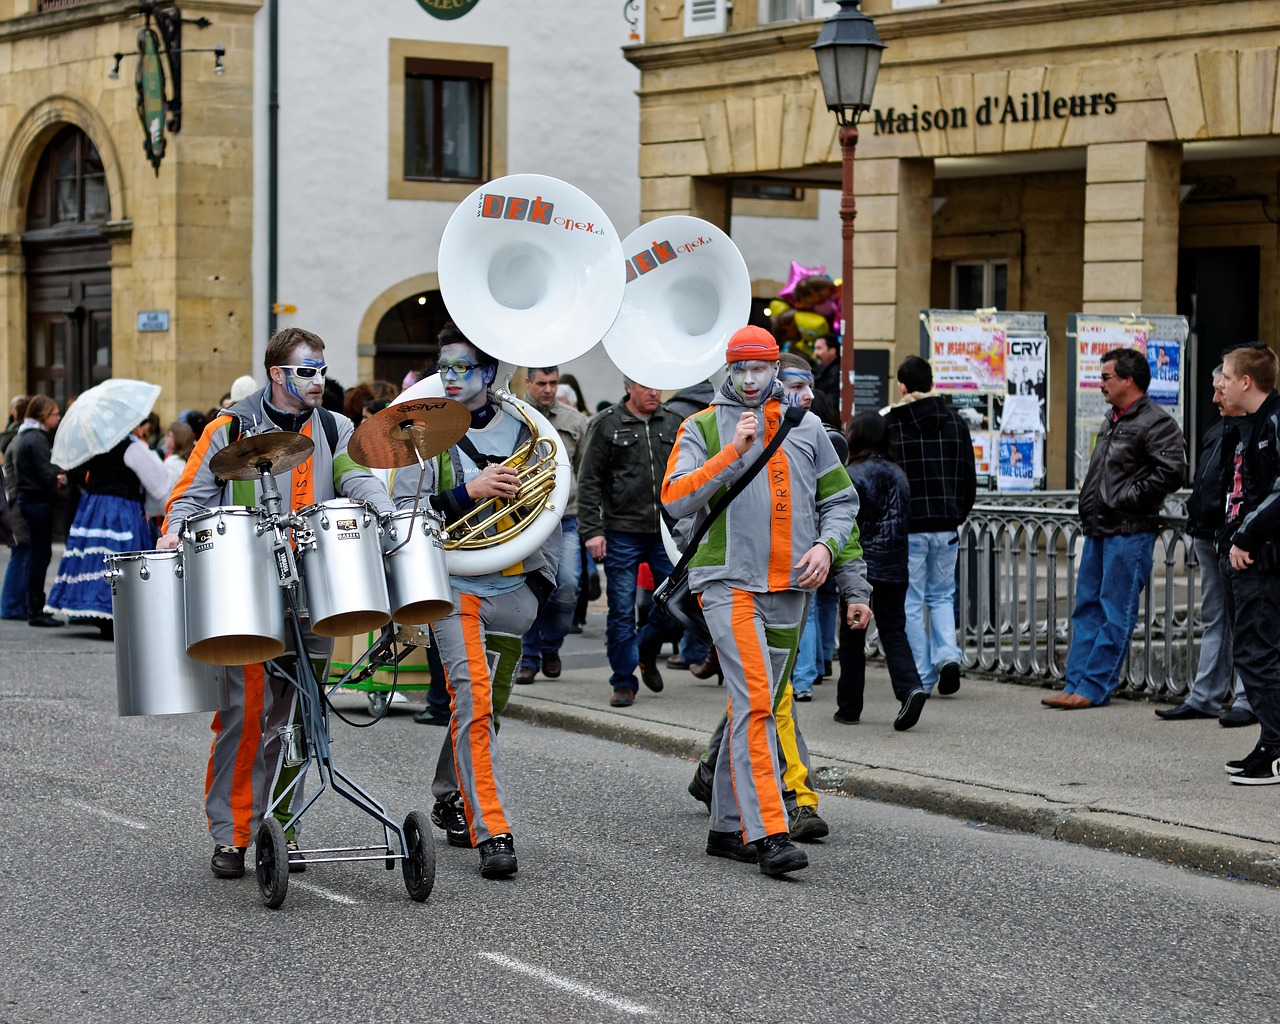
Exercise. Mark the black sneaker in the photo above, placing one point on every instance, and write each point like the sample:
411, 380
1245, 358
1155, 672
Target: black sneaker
949, 679
1261, 768
730, 846
700, 787
807, 825
449, 817
777, 855
498, 857
297, 862
1236, 767
228, 861
650, 675
909, 713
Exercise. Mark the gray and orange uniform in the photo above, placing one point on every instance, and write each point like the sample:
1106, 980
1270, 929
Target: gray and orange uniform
744, 573
244, 758
480, 640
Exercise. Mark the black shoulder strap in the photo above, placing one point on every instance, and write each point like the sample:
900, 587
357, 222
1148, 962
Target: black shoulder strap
330, 429
793, 415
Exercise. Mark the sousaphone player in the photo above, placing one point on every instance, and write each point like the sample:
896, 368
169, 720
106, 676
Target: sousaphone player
479, 642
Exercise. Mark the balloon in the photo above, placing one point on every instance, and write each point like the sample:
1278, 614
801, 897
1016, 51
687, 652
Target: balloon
776, 307
811, 326
797, 274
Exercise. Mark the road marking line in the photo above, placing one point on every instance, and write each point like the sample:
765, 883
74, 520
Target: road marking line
117, 819
337, 897
577, 988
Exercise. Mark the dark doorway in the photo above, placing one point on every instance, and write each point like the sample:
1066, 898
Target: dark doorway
405, 338
68, 270
1218, 294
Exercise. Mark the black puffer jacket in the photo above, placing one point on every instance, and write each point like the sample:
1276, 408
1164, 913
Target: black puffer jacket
624, 459
883, 514
1138, 461
1208, 491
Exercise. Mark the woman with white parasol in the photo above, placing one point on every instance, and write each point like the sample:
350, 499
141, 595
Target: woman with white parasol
101, 434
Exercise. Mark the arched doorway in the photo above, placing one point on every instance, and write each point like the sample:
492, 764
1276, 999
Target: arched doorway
405, 338
68, 269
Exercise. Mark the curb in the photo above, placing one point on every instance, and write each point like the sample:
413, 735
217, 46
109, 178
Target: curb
1183, 846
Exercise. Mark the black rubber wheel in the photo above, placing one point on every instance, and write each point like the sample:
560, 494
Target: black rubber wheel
271, 863
419, 857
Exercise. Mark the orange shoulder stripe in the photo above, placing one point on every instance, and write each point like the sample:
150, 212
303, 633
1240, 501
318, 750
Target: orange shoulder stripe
194, 461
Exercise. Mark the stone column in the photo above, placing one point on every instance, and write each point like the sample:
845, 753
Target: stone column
1131, 228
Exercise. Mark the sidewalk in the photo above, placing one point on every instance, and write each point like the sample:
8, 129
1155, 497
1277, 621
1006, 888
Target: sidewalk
1116, 777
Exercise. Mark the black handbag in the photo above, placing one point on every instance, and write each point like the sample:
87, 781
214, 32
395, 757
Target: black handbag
673, 596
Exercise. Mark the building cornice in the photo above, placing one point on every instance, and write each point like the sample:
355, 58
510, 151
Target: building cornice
46, 23
980, 16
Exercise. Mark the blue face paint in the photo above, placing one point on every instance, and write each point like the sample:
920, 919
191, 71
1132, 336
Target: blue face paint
307, 391
464, 381
797, 387
752, 380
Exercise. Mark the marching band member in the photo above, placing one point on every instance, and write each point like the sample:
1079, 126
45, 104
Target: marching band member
479, 642
244, 761
778, 541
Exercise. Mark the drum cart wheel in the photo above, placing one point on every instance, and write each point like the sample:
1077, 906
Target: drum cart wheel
419, 857
271, 863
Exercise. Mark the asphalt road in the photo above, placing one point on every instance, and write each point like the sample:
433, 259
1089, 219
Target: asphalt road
111, 913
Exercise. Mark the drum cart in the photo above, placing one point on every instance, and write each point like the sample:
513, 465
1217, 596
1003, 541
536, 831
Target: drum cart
260, 457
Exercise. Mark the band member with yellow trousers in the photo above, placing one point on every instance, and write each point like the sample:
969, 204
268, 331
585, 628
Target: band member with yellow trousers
754, 571
479, 642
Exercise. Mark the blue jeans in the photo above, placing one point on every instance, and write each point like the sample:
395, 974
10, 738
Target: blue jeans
13, 599
623, 554
931, 567
1109, 582
692, 650
824, 606
549, 629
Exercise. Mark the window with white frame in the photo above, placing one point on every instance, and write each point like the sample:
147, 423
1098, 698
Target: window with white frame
980, 284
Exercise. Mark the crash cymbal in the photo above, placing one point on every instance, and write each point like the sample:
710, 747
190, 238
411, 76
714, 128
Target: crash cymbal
400, 434
283, 449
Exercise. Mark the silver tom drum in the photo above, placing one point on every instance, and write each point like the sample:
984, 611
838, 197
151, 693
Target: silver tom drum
417, 573
340, 561
154, 676
234, 602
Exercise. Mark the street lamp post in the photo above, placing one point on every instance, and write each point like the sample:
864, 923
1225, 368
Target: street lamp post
848, 52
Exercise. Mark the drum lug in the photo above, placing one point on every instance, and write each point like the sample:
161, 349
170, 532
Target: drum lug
144, 573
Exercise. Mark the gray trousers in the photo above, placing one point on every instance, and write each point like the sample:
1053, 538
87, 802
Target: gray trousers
756, 636
479, 645
1216, 669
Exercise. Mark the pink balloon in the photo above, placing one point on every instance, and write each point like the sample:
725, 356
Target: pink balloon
797, 274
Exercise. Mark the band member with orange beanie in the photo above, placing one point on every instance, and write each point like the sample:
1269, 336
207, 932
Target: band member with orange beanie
755, 570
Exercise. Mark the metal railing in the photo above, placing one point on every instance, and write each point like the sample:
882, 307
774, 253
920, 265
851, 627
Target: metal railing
1016, 589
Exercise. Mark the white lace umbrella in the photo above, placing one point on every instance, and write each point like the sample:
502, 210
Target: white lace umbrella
101, 418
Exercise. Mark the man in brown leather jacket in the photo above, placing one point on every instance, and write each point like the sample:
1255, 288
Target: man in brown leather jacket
1138, 460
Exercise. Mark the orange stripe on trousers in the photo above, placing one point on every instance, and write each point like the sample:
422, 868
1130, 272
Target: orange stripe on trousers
481, 720
242, 787
755, 670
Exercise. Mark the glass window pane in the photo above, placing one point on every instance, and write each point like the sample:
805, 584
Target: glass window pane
96, 204
419, 128
462, 127
67, 202
58, 357
968, 290
101, 327
1000, 285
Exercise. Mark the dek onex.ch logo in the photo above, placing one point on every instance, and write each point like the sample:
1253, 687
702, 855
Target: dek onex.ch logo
659, 253
535, 211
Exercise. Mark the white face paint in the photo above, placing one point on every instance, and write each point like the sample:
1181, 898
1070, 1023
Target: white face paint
293, 392
464, 381
752, 380
797, 386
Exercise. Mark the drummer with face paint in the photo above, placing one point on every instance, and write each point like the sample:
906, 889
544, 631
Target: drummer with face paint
245, 766
794, 523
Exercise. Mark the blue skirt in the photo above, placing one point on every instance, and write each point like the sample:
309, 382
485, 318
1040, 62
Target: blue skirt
104, 525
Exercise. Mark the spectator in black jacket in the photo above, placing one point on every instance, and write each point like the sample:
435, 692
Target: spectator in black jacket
936, 452
1216, 668
883, 514
1252, 536
37, 481
1137, 462
827, 376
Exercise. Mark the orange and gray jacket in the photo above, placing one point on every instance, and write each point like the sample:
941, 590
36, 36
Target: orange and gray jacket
801, 498
325, 475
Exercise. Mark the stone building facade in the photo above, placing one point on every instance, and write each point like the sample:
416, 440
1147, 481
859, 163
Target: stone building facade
1077, 156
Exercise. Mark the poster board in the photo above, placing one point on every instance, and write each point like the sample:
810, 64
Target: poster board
1164, 340
994, 366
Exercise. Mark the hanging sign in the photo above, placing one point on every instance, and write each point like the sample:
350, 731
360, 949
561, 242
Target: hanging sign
447, 9
151, 105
